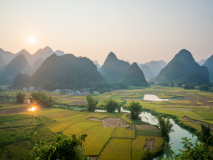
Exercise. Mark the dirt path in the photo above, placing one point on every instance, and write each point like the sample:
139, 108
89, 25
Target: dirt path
114, 122
198, 122
12, 111
94, 119
184, 109
146, 127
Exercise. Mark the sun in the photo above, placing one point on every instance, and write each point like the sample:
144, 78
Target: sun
31, 40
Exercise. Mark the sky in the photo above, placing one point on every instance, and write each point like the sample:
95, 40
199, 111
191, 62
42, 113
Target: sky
135, 30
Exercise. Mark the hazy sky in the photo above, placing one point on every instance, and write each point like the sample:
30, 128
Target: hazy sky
135, 30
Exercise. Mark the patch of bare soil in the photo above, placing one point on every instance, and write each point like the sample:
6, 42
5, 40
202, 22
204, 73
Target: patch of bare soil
150, 144
198, 122
12, 111
131, 127
94, 119
93, 158
114, 122
183, 109
146, 127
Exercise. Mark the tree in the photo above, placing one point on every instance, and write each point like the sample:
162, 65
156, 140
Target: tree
20, 97
62, 149
179, 84
111, 105
205, 134
135, 109
189, 86
195, 151
204, 87
91, 103
41, 99
165, 127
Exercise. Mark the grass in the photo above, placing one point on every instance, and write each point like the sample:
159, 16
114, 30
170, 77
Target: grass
140, 142
123, 133
128, 120
117, 149
19, 133
97, 137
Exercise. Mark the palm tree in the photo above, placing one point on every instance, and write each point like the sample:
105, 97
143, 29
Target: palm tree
165, 126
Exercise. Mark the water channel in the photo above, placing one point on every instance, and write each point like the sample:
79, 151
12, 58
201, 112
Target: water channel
175, 137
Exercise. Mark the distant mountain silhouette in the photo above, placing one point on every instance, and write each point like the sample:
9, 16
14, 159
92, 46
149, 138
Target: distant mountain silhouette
114, 69
183, 68
147, 71
27, 55
201, 62
2, 63
209, 65
134, 76
32, 69
153, 68
67, 71
43, 53
6, 56
59, 53
18, 65
97, 65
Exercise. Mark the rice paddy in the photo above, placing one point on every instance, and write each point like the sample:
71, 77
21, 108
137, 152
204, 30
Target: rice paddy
25, 129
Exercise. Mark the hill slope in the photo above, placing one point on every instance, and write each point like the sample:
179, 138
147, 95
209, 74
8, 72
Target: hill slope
134, 76
183, 68
209, 65
18, 65
114, 69
67, 71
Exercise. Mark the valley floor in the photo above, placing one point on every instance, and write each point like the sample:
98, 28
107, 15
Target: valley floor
20, 131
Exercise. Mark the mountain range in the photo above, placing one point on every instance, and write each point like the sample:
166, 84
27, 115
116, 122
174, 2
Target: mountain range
66, 71
183, 68
114, 69
152, 69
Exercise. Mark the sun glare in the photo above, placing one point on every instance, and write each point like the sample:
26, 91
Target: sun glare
31, 40
32, 109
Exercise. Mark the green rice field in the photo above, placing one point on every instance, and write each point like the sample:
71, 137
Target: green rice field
19, 132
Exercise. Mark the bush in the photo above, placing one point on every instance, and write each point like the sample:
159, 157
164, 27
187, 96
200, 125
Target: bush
189, 86
20, 97
61, 148
195, 151
135, 109
204, 88
111, 105
91, 103
41, 99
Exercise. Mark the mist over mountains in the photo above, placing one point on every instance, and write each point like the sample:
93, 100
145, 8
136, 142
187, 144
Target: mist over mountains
46, 68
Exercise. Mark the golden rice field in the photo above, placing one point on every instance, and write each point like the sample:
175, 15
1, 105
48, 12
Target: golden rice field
102, 142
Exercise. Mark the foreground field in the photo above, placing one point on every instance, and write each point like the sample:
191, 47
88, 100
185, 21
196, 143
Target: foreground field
20, 130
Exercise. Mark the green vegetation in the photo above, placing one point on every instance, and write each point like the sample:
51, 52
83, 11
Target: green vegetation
41, 99
165, 127
91, 103
205, 135
194, 151
61, 148
135, 109
22, 133
20, 97
111, 105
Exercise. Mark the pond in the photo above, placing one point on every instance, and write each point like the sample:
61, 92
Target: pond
152, 97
